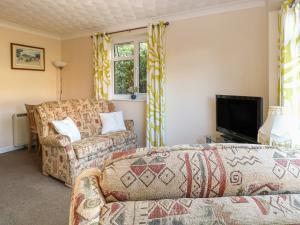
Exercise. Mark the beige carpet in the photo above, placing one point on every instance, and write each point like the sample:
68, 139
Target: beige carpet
26, 196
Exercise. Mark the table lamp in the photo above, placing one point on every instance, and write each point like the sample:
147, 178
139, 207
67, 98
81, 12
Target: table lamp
279, 129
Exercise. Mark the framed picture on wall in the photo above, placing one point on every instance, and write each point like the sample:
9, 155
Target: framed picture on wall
24, 57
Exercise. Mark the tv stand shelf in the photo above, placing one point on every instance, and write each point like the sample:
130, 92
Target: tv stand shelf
220, 138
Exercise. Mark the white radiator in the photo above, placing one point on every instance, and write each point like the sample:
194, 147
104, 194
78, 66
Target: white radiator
20, 129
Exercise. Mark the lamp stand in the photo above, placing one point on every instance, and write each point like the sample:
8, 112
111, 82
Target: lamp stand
59, 65
60, 84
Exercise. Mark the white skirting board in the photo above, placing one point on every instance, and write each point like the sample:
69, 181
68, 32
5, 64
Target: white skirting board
10, 148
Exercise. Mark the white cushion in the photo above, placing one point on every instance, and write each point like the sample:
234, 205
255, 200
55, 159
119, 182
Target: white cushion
112, 122
67, 127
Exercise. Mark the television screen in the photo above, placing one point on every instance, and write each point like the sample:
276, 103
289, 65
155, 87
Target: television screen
239, 116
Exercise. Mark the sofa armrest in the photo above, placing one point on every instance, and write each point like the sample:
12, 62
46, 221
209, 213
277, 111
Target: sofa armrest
86, 192
56, 140
129, 124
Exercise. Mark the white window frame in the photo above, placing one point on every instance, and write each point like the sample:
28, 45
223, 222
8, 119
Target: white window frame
135, 40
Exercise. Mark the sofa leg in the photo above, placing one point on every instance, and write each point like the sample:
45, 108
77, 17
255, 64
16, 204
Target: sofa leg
44, 171
45, 174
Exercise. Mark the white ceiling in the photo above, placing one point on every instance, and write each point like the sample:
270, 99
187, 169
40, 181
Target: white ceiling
68, 17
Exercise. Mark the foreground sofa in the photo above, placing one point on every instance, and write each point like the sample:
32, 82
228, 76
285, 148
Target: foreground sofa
218, 184
65, 160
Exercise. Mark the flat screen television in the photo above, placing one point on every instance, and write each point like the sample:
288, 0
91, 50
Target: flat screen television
239, 117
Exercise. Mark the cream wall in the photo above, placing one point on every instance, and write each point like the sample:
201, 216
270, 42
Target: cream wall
20, 86
273, 57
215, 54
77, 76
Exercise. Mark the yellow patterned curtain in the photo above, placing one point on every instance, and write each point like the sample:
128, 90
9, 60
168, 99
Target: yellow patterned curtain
289, 85
156, 86
102, 57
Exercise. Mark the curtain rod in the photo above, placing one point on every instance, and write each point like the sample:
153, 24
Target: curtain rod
131, 29
293, 3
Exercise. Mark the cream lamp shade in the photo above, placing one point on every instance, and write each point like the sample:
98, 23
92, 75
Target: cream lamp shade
279, 129
59, 64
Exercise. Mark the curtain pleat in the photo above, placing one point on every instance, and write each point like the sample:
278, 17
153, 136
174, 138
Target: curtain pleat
102, 70
289, 60
156, 86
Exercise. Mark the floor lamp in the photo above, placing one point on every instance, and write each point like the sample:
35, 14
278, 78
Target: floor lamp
60, 65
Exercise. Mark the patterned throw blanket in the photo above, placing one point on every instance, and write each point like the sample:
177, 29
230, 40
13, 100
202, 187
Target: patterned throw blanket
184, 185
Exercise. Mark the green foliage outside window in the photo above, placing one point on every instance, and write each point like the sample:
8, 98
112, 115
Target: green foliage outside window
124, 77
124, 69
143, 68
124, 50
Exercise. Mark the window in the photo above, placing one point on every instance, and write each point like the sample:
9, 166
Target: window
129, 68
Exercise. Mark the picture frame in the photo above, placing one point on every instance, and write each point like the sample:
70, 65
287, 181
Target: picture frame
26, 57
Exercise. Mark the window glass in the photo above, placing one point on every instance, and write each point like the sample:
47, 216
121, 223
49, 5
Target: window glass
142, 67
123, 76
124, 50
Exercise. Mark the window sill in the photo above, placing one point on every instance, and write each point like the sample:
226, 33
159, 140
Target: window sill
129, 100
140, 97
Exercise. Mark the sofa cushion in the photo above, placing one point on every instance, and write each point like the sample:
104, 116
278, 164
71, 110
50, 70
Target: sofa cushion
112, 122
259, 210
91, 145
201, 171
120, 137
68, 128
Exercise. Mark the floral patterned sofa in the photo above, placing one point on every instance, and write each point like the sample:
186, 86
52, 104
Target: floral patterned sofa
217, 184
65, 160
